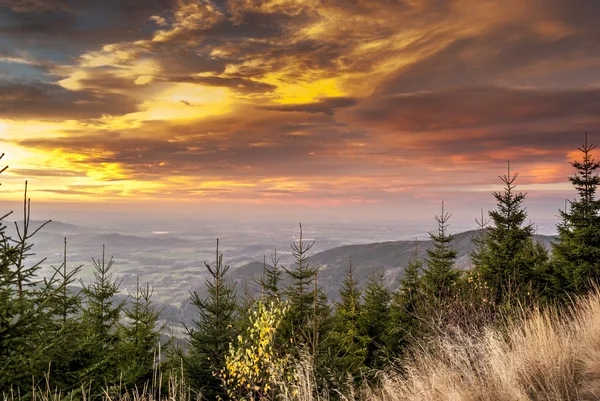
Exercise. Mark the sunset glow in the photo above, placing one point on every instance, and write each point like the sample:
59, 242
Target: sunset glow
286, 102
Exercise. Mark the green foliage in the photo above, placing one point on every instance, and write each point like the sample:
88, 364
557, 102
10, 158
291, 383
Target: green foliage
212, 332
307, 323
502, 256
101, 316
577, 249
140, 339
308, 309
440, 276
27, 308
300, 293
348, 345
403, 325
269, 283
69, 332
372, 323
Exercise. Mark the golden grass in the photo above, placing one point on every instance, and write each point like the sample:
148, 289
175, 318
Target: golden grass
542, 357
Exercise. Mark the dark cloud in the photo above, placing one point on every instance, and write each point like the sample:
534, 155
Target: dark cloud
472, 107
52, 102
507, 55
579, 14
266, 144
238, 84
63, 29
326, 106
98, 191
46, 172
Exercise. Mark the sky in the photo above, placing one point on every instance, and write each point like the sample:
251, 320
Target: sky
335, 109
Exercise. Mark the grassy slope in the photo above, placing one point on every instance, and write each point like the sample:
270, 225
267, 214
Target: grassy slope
542, 357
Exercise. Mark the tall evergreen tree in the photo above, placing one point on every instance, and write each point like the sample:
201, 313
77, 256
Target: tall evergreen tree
307, 321
69, 302
440, 275
27, 308
306, 301
374, 315
406, 301
212, 332
577, 249
68, 330
101, 316
499, 256
140, 338
271, 278
345, 338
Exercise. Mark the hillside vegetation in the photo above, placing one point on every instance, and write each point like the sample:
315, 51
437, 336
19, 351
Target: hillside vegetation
501, 327
545, 356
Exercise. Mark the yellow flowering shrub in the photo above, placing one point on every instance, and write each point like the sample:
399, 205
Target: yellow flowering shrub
253, 369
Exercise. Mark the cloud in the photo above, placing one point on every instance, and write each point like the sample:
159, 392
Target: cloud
292, 100
474, 107
45, 172
238, 84
51, 102
326, 106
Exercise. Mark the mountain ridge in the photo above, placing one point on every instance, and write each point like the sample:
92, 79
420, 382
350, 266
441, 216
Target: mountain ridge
387, 257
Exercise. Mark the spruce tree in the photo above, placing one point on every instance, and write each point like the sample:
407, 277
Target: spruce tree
69, 302
577, 249
212, 332
68, 331
372, 323
101, 316
271, 278
307, 302
440, 276
307, 321
345, 338
406, 302
140, 338
246, 306
28, 313
500, 256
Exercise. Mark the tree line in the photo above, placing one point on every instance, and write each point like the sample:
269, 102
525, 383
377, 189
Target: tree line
241, 346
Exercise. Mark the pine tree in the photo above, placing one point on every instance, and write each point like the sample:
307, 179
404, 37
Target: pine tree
577, 249
307, 321
404, 309
440, 276
271, 278
299, 293
69, 303
307, 302
345, 339
27, 308
68, 330
374, 315
212, 332
500, 257
140, 338
245, 307
101, 316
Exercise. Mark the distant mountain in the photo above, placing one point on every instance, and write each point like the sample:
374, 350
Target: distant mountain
119, 241
390, 258
53, 226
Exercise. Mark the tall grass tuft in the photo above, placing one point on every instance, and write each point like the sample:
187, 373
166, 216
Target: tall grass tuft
545, 356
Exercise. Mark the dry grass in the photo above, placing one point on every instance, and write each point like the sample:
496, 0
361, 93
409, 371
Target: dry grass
542, 357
